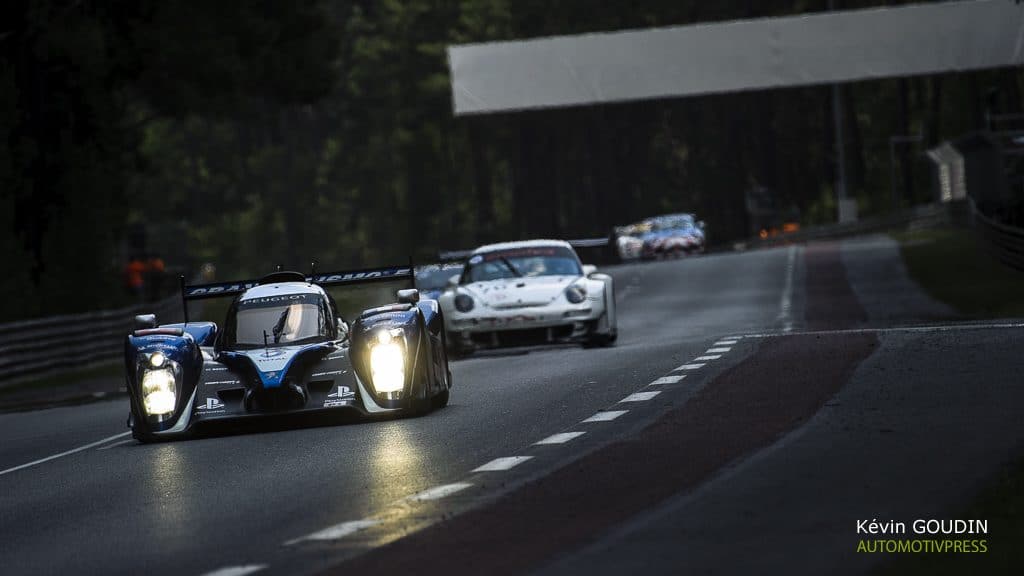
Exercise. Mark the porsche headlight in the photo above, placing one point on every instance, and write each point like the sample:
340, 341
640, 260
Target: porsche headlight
159, 391
576, 293
387, 362
464, 303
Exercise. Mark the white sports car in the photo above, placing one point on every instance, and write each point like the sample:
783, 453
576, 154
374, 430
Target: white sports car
521, 293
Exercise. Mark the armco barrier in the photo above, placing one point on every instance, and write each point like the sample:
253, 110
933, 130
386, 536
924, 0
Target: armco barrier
919, 216
1004, 243
59, 343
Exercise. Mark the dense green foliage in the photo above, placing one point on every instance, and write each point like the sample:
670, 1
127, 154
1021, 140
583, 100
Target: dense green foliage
251, 134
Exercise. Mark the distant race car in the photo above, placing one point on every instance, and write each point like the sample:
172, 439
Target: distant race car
629, 241
283, 348
672, 235
529, 292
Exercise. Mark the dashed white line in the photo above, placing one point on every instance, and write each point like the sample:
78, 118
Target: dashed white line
640, 396
337, 531
695, 366
561, 438
605, 416
708, 357
721, 350
785, 301
668, 379
237, 570
500, 464
67, 453
439, 492
726, 342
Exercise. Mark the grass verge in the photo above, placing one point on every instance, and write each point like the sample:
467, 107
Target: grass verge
1002, 504
953, 268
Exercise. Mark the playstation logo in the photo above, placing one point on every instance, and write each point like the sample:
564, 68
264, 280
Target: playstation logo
211, 404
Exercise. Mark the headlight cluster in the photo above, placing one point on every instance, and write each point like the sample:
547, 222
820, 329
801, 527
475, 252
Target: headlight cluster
463, 302
576, 293
159, 385
387, 361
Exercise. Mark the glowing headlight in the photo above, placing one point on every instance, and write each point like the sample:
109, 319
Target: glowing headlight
157, 359
158, 392
576, 293
387, 364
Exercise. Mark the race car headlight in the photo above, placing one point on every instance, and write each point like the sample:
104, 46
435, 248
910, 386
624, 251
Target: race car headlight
159, 391
576, 293
463, 302
387, 362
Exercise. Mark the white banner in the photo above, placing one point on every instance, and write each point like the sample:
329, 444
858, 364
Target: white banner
744, 55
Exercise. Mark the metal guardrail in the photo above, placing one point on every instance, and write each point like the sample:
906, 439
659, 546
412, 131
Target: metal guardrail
60, 343
917, 216
1004, 243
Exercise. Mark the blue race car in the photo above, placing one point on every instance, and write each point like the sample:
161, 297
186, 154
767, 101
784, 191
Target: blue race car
283, 348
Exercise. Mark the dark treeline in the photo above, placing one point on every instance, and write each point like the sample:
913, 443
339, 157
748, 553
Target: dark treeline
251, 134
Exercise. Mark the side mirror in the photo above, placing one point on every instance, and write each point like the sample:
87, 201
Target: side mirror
589, 269
145, 321
342, 329
410, 296
453, 282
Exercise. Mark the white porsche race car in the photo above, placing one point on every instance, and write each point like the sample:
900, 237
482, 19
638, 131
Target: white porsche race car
529, 292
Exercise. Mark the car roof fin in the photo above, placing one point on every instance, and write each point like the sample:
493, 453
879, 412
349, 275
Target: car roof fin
282, 276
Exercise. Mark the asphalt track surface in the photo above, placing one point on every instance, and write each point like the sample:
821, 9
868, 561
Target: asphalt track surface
733, 415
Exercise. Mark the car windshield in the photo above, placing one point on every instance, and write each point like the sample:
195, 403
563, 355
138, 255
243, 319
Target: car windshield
435, 277
279, 321
524, 262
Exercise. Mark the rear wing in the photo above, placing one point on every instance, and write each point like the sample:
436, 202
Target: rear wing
597, 248
365, 276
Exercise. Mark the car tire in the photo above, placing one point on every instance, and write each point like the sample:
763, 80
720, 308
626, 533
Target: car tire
456, 350
595, 340
441, 400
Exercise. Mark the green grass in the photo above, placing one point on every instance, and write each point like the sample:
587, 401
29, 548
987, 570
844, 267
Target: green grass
953, 268
951, 265
1002, 504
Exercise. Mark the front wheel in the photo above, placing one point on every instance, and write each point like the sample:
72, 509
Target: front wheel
598, 339
441, 400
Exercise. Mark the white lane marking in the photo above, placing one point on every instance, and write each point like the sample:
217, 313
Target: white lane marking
689, 367
561, 438
721, 350
605, 416
786, 300
337, 531
934, 328
500, 464
640, 396
68, 453
115, 444
709, 357
725, 343
237, 570
668, 379
438, 492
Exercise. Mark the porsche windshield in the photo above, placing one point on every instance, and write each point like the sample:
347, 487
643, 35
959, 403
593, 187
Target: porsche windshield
522, 262
279, 321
